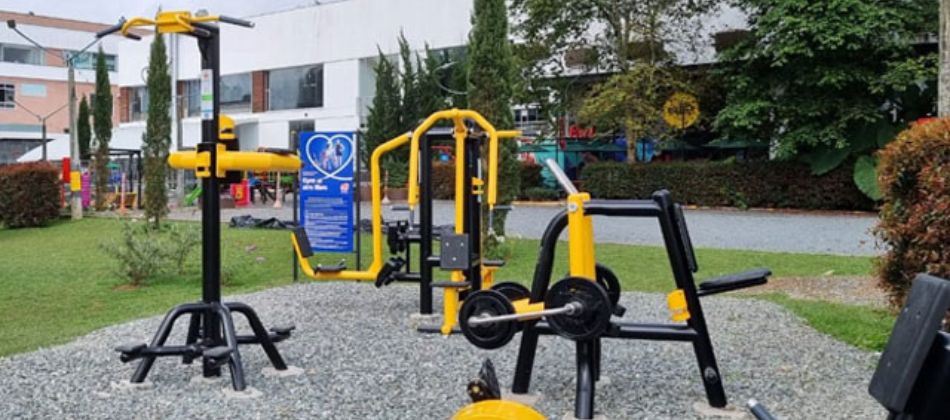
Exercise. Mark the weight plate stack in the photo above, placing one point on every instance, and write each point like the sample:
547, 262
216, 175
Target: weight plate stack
592, 321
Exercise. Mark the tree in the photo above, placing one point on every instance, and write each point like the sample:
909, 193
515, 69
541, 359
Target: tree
635, 44
431, 95
384, 119
83, 130
813, 74
491, 70
410, 114
157, 139
102, 125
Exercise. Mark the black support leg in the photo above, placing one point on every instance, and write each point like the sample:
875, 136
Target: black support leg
586, 361
161, 336
529, 345
230, 338
260, 332
194, 330
712, 380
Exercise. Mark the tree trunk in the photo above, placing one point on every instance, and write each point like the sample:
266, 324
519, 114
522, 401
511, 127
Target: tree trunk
943, 93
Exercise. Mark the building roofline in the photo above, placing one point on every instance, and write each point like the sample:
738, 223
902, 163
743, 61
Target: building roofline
59, 23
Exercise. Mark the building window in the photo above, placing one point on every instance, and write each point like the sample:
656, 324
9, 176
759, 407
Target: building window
21, 54
295, 87
236, 93
7, 92
138, 104
87, 60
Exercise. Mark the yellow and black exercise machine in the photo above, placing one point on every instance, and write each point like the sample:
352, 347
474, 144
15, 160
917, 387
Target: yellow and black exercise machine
461, 249
211, 333
583, 305
487, 403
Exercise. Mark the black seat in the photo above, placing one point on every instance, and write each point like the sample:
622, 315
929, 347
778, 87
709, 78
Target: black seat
493, 263
300, 234
736, 281
336, 268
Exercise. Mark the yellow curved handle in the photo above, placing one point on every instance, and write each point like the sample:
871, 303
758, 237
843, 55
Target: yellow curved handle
200, 162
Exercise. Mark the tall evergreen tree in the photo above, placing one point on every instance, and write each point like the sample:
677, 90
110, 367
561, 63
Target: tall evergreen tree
383, 121
431, 95
102, 125
491, 71
410, 87
83, 129
157, 133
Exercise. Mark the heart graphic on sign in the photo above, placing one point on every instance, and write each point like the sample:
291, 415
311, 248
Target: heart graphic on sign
329, 154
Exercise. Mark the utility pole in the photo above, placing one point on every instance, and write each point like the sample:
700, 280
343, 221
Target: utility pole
42, 119
943, 89
76, 200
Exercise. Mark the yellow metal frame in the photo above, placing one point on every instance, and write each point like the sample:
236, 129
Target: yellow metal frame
179, 21
377, 220
200, 162
497, 410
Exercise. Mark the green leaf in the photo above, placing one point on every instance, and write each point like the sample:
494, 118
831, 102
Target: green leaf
825, 161
865, 177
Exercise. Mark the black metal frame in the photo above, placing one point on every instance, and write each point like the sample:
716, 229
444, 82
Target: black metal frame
588, 353
211, 333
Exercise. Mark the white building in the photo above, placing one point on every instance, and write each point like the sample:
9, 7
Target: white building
309, 68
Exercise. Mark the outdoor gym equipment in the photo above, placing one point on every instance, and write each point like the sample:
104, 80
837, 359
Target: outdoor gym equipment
912, 379
581, 308
487, 403
211, 333
461, 249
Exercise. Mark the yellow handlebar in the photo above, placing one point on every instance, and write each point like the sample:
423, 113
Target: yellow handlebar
458, 116
178, 22
200, 162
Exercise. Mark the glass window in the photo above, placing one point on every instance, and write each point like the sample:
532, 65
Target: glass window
193, 98
235, 92
87, 60
296, 87
7, 92
138, 107
21, 54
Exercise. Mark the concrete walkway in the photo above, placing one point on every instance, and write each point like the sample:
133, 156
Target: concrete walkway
820, 233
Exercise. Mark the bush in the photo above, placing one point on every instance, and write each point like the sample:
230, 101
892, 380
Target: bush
540, 194
767, 184
443, 181
914, 179
530, 176
395, 174
182, 241
140, 253
29, 194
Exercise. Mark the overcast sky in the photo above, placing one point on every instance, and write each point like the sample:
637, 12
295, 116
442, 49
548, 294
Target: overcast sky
109, 11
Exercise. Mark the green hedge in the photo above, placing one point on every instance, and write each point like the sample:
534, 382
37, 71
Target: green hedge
767, 184
530, 176
29, 194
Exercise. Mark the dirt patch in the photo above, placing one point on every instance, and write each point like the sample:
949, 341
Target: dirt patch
849, 290
126, 287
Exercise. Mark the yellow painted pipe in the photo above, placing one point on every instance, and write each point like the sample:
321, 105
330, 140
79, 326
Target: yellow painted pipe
233, 161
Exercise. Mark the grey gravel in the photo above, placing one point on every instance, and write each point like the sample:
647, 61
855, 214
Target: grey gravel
362, 360
801, 232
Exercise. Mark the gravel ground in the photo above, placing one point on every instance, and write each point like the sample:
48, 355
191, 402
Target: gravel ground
366, 362
801, 232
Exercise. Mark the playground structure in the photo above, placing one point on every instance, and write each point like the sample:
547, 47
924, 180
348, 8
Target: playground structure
581, 306
211, 332
461, 248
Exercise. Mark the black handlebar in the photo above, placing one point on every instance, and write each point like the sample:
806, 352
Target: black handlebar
112, 29
236, 21
276, 150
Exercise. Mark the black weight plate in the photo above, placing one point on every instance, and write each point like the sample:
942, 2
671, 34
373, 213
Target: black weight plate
513, 291
490, 303
592, 321
609, 281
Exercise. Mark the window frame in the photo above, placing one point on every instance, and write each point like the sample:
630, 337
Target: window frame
301, 72
7, 90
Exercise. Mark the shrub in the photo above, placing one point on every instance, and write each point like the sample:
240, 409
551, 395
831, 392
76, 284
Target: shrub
140, 253
29, 194
443, 181
540, 194
530, 176
396, 174
767, 184
182, 241
914, 179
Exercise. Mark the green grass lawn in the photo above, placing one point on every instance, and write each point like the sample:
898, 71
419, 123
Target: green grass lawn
56, 284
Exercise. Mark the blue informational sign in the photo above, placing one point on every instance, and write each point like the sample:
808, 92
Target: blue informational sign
326, 190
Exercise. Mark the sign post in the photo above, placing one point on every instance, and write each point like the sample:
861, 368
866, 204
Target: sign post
326, 189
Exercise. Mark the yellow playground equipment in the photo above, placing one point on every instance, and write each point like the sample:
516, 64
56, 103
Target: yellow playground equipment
461, 248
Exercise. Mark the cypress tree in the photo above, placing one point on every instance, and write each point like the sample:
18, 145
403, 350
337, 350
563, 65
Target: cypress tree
431, 96
383, 121
102, 125
83, 130
491, 72
410, 114
157, 133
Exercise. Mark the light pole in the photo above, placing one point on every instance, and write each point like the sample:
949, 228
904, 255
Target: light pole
76, 201
42, 120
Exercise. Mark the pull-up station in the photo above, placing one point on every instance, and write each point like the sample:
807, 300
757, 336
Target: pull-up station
211, 333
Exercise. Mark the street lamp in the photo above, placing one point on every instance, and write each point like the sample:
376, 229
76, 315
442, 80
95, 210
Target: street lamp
42, 120
76, 202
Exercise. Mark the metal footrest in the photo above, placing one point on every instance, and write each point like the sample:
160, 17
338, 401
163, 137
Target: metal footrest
131, 351
338, 267
282, 332
389, 272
